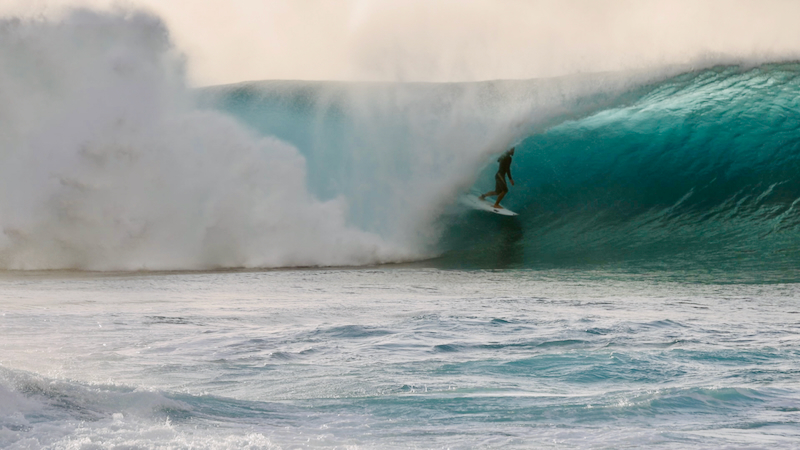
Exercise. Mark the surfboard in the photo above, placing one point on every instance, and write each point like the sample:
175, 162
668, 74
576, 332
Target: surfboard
474, 202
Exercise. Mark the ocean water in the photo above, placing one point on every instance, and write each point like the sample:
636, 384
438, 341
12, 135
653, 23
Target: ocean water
396, 358
285, 264
697, 170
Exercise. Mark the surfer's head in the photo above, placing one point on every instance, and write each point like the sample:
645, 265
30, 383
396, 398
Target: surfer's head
511, 152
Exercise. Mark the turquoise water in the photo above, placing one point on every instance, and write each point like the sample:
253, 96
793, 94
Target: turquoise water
396, 358
697, 171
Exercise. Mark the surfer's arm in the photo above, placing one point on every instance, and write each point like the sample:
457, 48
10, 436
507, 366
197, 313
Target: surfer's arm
510, 178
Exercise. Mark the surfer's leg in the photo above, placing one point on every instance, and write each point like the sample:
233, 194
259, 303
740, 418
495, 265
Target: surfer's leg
500, 188
499, 198
488, 194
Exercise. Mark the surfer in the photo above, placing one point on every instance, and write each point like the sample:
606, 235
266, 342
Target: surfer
500, 187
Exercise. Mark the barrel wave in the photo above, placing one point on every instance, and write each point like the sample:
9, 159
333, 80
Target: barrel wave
698, 170
110, 162
702, 169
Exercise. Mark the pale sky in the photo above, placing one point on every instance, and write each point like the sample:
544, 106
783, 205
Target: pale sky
227, 41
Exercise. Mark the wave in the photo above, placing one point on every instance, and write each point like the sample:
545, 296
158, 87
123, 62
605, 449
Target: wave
110, 162
39, 412
699, 170
688, 171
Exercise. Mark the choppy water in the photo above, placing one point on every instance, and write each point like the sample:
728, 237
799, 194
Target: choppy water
396, 358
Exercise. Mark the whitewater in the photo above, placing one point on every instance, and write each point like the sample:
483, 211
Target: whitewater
285, 264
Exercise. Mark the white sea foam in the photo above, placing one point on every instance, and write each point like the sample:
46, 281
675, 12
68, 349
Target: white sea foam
105, 164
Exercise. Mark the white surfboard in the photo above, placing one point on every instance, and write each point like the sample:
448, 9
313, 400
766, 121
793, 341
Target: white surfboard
473, 201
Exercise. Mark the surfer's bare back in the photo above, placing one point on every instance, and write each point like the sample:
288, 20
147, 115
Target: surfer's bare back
500, 187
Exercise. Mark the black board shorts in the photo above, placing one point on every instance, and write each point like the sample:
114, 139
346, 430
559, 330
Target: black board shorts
500, 184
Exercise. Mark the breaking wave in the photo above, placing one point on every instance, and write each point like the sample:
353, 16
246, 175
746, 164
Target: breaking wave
109, 162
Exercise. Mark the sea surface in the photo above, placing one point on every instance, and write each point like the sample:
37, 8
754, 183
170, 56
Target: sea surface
396, 357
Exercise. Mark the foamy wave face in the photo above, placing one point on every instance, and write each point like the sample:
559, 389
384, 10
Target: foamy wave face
37, 412
106, 166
